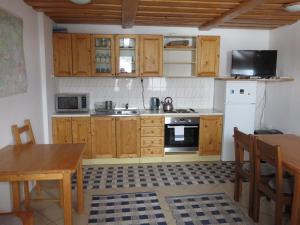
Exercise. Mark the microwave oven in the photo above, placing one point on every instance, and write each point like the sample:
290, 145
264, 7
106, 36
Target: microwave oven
65, 102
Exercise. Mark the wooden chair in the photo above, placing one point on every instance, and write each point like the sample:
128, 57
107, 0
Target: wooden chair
17, 132
244, 170
25, 217
276, 188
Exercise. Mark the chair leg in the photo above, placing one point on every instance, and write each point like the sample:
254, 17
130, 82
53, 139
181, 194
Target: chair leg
26, 195
38, 187
237, 188
256, 206
251, 198
61, 194
278, 212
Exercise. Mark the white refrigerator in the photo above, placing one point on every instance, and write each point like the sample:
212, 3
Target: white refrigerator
237, 100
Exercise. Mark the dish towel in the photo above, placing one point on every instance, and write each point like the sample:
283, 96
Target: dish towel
179, 133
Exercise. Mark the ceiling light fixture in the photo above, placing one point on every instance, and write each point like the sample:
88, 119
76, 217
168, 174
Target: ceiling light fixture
81, 2
292, 7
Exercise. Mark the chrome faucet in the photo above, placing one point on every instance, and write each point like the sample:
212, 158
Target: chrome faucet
126, 106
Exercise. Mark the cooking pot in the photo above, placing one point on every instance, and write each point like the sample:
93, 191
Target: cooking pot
167, 104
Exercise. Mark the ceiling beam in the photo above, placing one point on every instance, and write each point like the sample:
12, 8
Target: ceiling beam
129, 9
244, 7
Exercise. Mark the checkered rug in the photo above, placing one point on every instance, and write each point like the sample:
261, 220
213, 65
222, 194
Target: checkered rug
132, 208
207, 209
156, 175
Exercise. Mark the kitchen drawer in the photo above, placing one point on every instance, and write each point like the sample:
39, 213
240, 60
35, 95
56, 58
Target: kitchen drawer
152, 121
152, 141
153, 151
152, 131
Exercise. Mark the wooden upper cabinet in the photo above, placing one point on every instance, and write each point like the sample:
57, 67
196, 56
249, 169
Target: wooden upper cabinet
151, 55
81, 54
210, 136
62, 54
103, 55
208, 50
62, 130
127, 55
128, 137
103, 137
81, 133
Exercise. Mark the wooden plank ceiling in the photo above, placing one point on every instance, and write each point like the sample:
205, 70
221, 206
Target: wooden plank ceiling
205, 14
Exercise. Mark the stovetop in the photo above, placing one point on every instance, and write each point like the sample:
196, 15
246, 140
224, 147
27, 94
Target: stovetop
188, 110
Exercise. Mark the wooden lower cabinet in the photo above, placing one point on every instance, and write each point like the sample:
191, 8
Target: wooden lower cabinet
210, 137
128, 137
68, 130
152, 136
81, 133
62, 130
103, 137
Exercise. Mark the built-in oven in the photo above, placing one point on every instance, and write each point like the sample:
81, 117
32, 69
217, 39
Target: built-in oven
181, 134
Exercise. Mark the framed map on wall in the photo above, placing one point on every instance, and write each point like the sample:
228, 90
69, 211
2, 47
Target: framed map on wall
12, 64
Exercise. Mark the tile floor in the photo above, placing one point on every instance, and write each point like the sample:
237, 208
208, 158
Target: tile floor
47, 213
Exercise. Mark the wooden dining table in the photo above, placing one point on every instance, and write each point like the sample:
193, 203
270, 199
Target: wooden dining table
33, 162
290, 146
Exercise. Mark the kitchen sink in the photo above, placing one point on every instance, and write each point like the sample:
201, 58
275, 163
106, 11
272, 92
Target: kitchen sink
127, 112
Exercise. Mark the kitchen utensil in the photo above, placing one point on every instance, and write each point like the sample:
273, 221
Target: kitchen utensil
168, 104
109, 105
154, 103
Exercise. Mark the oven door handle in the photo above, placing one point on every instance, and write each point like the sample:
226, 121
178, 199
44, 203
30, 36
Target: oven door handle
183, 126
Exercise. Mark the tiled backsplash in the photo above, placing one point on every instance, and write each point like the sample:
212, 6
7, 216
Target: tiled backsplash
186, 92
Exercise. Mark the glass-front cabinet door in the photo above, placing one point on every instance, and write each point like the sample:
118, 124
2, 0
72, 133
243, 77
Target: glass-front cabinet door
103, 55
127, 55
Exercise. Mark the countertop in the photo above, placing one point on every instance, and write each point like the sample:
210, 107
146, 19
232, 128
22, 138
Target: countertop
199, 112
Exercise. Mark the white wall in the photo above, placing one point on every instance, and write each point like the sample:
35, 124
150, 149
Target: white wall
14, 109
49, 84
186, 92
283, 109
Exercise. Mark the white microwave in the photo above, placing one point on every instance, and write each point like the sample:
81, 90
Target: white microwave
66, 102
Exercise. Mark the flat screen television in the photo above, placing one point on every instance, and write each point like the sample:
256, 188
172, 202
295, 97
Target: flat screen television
261, 63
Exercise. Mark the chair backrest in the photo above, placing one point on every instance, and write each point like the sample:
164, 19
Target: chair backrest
271, 155
243, 142
18, 131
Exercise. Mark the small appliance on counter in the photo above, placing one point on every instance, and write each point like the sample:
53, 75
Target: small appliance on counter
154, 104
72, 103
106, 107
168, 104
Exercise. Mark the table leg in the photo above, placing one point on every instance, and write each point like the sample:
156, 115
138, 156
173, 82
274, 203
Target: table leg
16, 195
26, 195
80, 199
67, 196
295, 220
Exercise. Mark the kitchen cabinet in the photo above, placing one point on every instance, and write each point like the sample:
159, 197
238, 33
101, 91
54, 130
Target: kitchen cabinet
152, 136
151, 55
128, 136
81, 54
68, 130
103, 55
210, 137
81, 133
180, 60
62, 130
208, 52
62, 54
127, 55
103, 137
